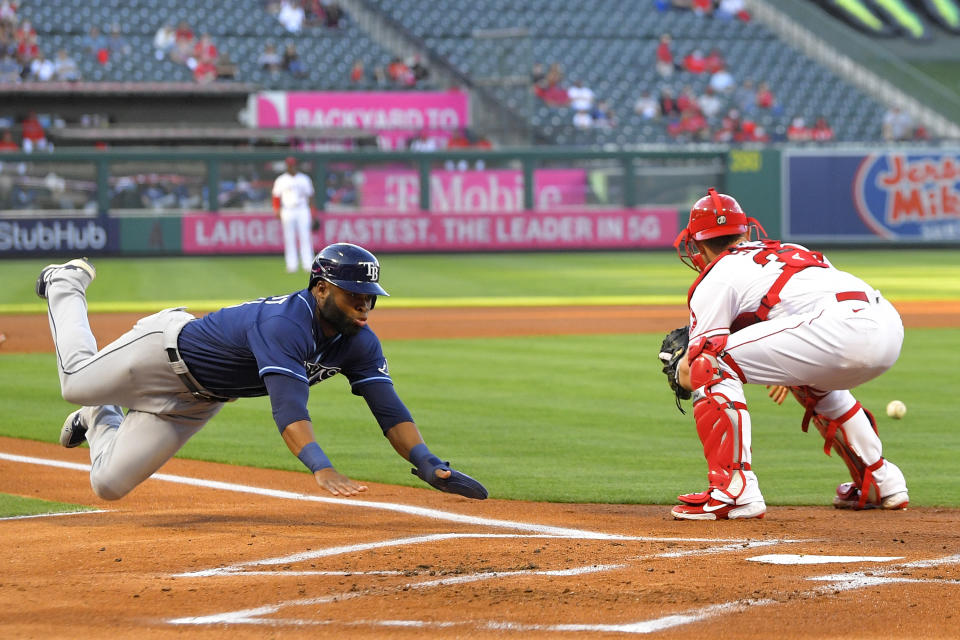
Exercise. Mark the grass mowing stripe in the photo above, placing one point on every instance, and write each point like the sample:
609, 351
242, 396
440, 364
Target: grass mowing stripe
558, 418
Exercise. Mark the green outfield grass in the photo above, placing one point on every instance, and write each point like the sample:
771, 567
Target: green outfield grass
655, 277
13, 506
570, 418
573, 418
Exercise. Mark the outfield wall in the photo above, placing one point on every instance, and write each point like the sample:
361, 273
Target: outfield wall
175, 203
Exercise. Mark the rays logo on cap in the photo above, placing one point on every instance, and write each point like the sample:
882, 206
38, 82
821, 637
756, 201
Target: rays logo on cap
373, 270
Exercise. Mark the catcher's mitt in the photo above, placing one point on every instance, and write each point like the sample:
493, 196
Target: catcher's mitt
674, 348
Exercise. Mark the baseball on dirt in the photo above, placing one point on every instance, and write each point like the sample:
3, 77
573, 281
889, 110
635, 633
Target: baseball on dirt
896, 409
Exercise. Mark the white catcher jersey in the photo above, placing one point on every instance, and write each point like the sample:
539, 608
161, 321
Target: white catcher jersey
294, 191
736, 283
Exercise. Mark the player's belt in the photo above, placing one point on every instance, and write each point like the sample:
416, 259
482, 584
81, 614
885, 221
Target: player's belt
198, 392
843, 296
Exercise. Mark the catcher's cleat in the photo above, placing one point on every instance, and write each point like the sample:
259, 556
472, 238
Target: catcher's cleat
74, 430
848, 497
716, 510
81, 264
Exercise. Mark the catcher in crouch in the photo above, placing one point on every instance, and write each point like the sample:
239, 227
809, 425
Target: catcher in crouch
777, 314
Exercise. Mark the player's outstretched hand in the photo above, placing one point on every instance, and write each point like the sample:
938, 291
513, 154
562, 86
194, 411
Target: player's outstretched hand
778, 393
337, 483
440, 475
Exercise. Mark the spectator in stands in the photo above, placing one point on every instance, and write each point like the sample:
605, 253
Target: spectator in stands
400, 74
65, 68
357, 72
183, 43
33, 133
10, 70
8, 12
710, 103
537, 74
291, 15
27, 50
204, 71
721, 81
897, 125
668, 104
581, 97
764, 98
418, 69
798, 131
745, 97
691, 126
687, 100
270, 60
41, 69
116, 43
665, 62
729, 125
821, 132
422, 142
603, 116
163, 41
95, 44
751, 132
702, 8
646, 106
582, 119
25, 31
695, 62
7, 143
730, 9
205, 50
8, 44
714, 61
551, 91
333, 14
292, 62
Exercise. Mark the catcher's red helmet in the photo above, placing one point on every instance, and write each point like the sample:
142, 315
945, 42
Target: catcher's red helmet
712, 216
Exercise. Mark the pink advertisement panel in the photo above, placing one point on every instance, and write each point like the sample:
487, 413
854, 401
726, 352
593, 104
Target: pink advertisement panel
395, 116
526, 230
496, 190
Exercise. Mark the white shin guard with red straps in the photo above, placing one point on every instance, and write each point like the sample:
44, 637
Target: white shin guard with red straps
722, 424
853, 435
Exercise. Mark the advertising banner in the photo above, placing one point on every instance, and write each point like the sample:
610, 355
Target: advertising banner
33, 236
394, 116
526, 230
398, 190
900, 196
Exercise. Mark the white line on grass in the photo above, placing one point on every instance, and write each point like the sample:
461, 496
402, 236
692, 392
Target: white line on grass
424, 512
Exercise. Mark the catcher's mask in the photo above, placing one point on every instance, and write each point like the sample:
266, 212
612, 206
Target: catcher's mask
712, 216
350, 267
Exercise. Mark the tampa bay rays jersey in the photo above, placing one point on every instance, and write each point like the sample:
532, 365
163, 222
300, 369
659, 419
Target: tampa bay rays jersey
230, 350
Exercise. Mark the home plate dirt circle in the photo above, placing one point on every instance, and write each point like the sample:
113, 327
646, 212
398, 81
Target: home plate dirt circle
215, 551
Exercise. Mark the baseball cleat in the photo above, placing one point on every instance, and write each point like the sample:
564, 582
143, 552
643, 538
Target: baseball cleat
717, 510
848, 497
81, 264
74, 430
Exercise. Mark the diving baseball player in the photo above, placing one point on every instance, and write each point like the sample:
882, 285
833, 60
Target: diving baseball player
778, 314
173, 372
293, 204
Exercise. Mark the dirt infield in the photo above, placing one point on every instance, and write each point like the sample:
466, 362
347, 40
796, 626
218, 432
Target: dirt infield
213, 551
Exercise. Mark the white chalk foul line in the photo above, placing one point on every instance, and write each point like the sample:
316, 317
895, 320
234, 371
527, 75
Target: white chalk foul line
254, 616
424, 512
54, 515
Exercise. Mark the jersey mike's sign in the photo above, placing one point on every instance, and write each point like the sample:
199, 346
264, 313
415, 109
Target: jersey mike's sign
913, 195
909, 195
205, 233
